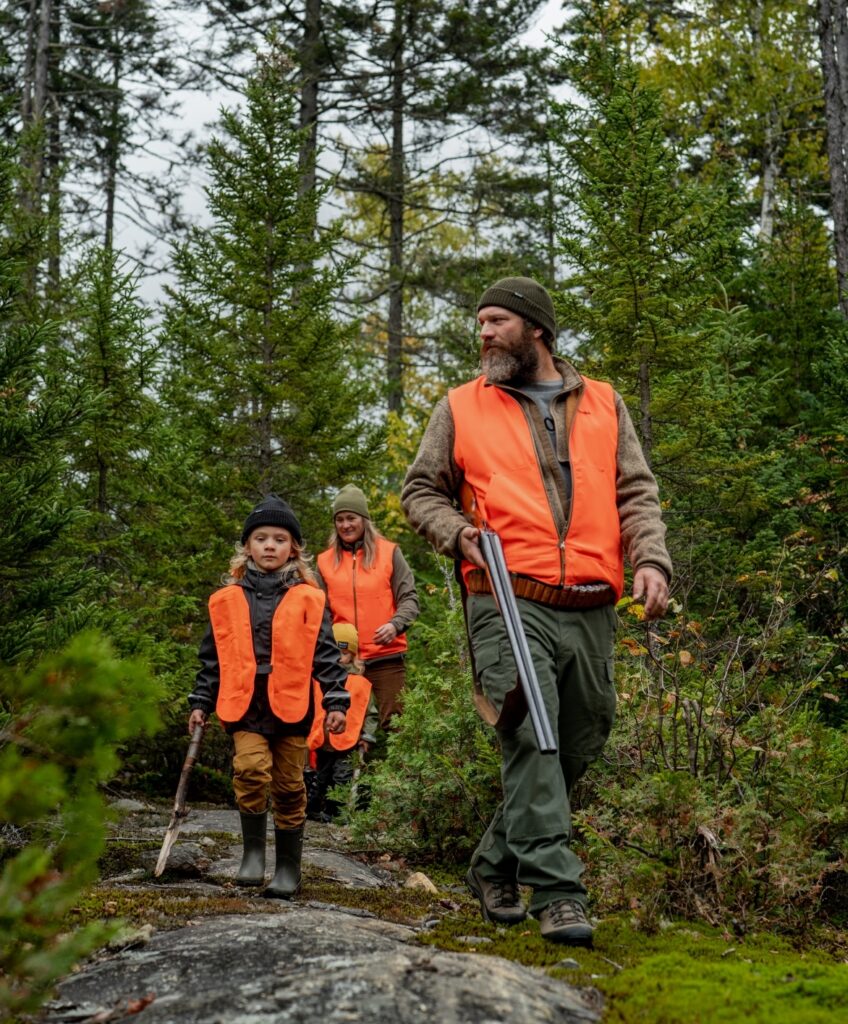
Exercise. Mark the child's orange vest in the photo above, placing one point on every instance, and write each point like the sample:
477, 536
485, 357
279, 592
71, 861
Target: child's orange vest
294, 634
360, 691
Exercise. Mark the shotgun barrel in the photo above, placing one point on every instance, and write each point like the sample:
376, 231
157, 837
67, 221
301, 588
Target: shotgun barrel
499, 579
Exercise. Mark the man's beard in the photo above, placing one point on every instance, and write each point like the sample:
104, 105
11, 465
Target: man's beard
517, 364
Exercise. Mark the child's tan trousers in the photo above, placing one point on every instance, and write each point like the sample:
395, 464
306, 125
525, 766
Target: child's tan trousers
261, 763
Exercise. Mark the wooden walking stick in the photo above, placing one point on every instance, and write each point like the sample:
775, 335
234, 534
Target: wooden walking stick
180, 809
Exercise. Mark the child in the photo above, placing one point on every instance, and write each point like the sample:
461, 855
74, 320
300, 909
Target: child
269, 636
334, 752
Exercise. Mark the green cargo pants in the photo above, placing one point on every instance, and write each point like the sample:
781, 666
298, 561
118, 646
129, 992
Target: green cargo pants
528, 838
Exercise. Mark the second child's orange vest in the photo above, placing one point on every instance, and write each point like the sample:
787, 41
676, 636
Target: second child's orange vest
362, 596
494, 449
294, 634
360, 691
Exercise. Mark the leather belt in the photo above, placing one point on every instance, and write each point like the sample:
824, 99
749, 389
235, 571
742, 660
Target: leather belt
586, 595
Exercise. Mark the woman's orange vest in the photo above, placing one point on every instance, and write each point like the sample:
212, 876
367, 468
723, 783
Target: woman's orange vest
363, 596
360, 691
494, 449
294, 634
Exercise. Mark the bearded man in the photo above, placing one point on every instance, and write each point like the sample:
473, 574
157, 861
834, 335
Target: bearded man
549, 460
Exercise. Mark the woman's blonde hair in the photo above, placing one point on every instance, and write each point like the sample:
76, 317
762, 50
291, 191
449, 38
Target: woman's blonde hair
369, 543
298, 565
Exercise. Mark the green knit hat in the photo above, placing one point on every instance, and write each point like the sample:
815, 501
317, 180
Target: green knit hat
351, 499
524, 296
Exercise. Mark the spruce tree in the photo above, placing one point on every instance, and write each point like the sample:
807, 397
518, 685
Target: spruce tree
108, 349
263, 386
648, 248
45, 587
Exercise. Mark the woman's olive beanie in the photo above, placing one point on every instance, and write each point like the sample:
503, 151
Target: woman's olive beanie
351, 499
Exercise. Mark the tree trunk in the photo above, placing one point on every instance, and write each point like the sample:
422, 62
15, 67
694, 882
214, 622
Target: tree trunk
34, 97
834, 51
53, 161
113, 145
646, 422
311, 72
769, 178
394, 355
28, 71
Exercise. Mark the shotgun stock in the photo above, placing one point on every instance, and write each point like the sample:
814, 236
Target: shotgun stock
490, 545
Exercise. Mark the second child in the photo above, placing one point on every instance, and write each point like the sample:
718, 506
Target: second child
333, 753
269, 636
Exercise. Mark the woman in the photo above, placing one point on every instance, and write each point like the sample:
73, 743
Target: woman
369, 583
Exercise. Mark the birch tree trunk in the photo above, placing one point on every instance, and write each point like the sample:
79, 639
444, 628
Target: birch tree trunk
769, 178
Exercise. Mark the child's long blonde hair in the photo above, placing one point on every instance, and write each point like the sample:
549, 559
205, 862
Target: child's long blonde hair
298, 565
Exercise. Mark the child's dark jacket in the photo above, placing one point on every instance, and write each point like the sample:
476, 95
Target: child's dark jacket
264, 591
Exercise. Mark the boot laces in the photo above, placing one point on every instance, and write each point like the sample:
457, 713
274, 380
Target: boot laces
504, 894
566, 912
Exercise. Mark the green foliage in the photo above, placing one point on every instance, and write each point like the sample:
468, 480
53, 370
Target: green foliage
678, 974
45, 587
108, 351
262, 385
723, 792
64, 721
438, 785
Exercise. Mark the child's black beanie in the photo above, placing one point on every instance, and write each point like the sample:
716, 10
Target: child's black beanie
272, 511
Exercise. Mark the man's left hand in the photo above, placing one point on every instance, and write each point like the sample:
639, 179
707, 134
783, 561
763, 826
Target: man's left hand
651, 588
385, 634
335, 721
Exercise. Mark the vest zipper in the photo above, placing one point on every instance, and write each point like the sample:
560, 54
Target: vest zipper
353, 580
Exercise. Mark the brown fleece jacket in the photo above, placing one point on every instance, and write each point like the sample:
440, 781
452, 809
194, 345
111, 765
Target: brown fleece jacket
432, 483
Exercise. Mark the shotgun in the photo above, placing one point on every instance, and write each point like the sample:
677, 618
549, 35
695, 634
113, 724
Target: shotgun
501, 584
180, 809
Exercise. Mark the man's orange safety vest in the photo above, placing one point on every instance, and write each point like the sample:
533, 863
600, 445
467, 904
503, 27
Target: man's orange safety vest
363, 596
294, 634
494, 449
360, 691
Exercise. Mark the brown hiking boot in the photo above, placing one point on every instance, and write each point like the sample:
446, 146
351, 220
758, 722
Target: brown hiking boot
565, 921
499, 900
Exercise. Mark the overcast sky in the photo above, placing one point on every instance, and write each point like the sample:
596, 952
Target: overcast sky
198, 111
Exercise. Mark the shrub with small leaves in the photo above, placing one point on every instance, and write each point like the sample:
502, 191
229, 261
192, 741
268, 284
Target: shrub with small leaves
436, 789
64, 722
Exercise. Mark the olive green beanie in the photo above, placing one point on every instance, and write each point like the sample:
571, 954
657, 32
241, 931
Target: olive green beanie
524, 296
351, 499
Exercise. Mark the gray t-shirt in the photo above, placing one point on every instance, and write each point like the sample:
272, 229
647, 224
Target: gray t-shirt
542, 393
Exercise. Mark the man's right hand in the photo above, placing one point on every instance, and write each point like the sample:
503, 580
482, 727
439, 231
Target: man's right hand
469, 545
197, 717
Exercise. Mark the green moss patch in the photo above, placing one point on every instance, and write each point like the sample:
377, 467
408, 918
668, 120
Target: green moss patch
684, 974
123, 855
402, 906
164, 909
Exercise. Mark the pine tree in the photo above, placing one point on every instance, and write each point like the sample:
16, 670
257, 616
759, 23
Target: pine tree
93, 83
45, 588
107, 348
648, 247
415, 97
263, 385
